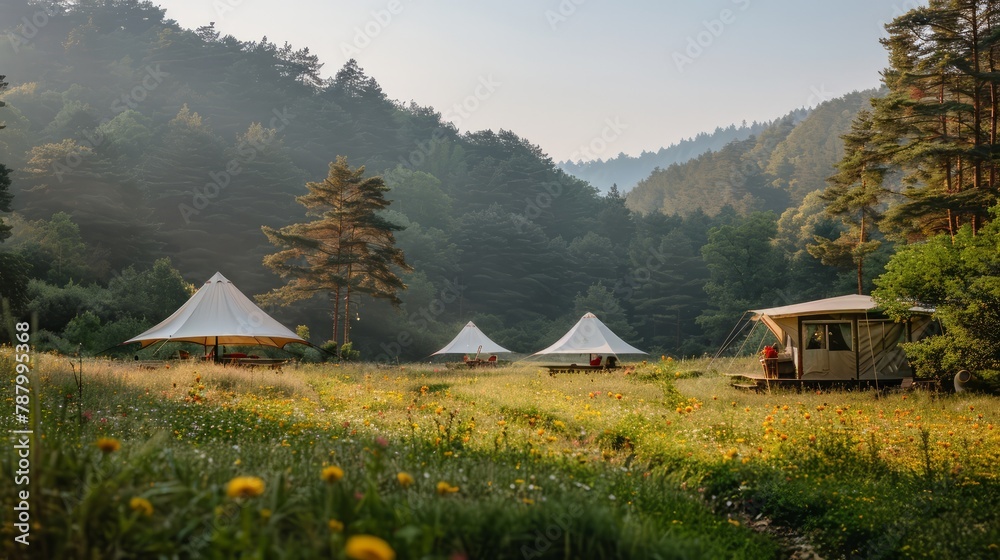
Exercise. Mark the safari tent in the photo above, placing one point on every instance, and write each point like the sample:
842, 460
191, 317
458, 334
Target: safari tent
219, 314
471, 341
842, 338
589, 336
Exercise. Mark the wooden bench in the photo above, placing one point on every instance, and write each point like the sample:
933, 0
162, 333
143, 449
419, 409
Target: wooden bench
573, 368
272, 363
149, 364
747, 386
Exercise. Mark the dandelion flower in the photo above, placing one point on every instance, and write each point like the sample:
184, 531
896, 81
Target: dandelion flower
265, 514
245, 487
332, 474
444, 488
405, 480
368, 547
141, 505
335, 526
108, 445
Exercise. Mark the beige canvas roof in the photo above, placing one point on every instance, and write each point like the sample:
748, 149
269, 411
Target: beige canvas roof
219, 313
590, 336
842, 304
470, 341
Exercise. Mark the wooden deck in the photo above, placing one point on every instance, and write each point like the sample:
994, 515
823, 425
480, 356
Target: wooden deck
758, 382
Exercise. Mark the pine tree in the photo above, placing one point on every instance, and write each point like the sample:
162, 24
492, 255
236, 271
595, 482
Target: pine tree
855, 194
941, 115
349, 249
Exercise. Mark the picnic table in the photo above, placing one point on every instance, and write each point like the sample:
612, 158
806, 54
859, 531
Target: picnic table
574, 368
272, 363
478, 362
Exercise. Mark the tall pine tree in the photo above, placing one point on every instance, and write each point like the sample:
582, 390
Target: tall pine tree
855, 194
349, 249
941, 115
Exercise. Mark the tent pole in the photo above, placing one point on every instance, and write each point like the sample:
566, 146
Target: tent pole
215, 352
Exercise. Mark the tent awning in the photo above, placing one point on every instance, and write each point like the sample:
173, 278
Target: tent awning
590, 336
470, 341
853, 303
219, 313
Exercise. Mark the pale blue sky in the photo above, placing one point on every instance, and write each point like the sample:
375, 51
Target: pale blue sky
562, 73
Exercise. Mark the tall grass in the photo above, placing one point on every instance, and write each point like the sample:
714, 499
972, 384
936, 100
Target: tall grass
186, 432
665, 461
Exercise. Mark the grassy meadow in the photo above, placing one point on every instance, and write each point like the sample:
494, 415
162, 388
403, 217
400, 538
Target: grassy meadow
420, 461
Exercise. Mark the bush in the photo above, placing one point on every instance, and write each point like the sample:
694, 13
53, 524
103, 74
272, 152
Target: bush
348, 353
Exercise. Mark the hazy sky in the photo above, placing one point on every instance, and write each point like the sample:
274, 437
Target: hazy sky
583, 78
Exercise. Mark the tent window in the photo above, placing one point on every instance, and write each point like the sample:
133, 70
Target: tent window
835, 337
816, 337
840, 337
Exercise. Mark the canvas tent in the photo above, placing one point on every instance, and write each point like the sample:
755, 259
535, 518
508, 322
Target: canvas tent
219, 314
471, 340
842, 338
590, 336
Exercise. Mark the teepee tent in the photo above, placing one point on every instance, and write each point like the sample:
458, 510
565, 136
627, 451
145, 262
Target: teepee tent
471, 341
219, 313
590, 336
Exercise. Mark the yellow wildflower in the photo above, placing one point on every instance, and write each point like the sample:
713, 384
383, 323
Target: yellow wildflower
108, 445
445, 488
245, 487
335, 526
368, 547
332, 474
141, 505
405, 480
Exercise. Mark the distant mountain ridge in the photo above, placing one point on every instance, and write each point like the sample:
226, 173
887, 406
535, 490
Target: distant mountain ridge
772, 170
626, 171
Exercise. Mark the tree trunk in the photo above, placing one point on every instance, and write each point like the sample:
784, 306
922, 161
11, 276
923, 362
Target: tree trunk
347, 316
336, 314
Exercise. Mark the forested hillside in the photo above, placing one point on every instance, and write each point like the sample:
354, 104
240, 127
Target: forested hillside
772, 170
131, 139
626, 171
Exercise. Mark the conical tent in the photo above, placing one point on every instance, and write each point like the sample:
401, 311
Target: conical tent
590, 336
470, 341
219, 314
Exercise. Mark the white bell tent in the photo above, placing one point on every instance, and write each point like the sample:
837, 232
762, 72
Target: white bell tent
219, 313
590, 336
471, 340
